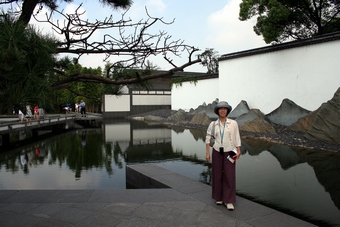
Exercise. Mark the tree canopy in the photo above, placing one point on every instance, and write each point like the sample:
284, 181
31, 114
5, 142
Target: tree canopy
28, 55
281, 20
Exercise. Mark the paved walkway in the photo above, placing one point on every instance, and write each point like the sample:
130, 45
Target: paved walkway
184, 202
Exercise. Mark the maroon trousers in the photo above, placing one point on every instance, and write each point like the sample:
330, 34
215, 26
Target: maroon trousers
223, 178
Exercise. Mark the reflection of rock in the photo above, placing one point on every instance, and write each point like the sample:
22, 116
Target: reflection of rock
287, 113
178, 129
198, 134
255, 146
247, 148
327, 171
326, 126
240, 109
285, 155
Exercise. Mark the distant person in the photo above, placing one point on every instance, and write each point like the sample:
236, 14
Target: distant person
36, 112
82, 108
28, 115
226, 150
76, 108
21, 115
67, 108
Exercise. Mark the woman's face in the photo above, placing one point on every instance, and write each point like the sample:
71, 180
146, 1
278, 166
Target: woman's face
222, 112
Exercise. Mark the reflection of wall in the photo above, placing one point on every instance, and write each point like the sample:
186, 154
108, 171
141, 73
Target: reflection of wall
184, 142
125, 133
117, 132
134, 135
151, 136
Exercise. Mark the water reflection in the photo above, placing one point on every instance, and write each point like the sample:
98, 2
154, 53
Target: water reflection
297, 180
296, 186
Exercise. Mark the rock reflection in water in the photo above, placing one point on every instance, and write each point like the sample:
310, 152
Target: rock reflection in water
285, 155
198, 134
326, 165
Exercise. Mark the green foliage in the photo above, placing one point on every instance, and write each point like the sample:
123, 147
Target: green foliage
179, 80
76, 91
209, 58
281, 20
119, 71
26, 59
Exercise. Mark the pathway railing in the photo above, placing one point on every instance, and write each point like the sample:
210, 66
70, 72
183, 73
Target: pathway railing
9, 127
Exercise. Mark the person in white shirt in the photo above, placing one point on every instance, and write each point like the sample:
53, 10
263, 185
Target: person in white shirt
225, 151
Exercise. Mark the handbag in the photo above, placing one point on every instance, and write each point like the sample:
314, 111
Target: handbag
212, 138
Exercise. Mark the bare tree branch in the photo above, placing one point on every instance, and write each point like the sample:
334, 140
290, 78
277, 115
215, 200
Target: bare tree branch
99, 79
134, 48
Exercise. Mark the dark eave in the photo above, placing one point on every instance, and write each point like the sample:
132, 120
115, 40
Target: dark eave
282, 46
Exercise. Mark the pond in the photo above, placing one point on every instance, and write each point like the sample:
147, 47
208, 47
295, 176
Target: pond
301, 182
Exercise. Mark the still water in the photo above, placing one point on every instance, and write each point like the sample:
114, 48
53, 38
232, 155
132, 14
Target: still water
303, 183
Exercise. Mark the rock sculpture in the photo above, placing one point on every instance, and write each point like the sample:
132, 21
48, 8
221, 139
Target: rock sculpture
287, 113
326, 126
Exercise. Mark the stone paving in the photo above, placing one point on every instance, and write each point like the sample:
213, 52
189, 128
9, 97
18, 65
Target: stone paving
175, 201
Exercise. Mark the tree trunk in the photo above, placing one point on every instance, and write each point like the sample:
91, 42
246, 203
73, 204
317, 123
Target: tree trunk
28, 7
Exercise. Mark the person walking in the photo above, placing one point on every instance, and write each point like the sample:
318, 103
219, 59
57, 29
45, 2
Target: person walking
82, 108
36, 112
226, 149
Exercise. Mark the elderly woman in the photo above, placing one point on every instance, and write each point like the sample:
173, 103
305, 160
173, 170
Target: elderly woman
226, 149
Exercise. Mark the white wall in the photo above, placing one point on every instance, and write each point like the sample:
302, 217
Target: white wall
307, 75
190, 95
115, 103
140, 100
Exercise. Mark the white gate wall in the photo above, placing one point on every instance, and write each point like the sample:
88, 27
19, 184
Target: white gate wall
191, 95
130, 104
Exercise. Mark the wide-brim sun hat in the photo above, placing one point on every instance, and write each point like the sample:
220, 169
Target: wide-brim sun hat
222, 104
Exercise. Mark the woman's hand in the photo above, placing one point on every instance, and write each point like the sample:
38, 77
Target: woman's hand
207, 152
238, 153
207, 156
